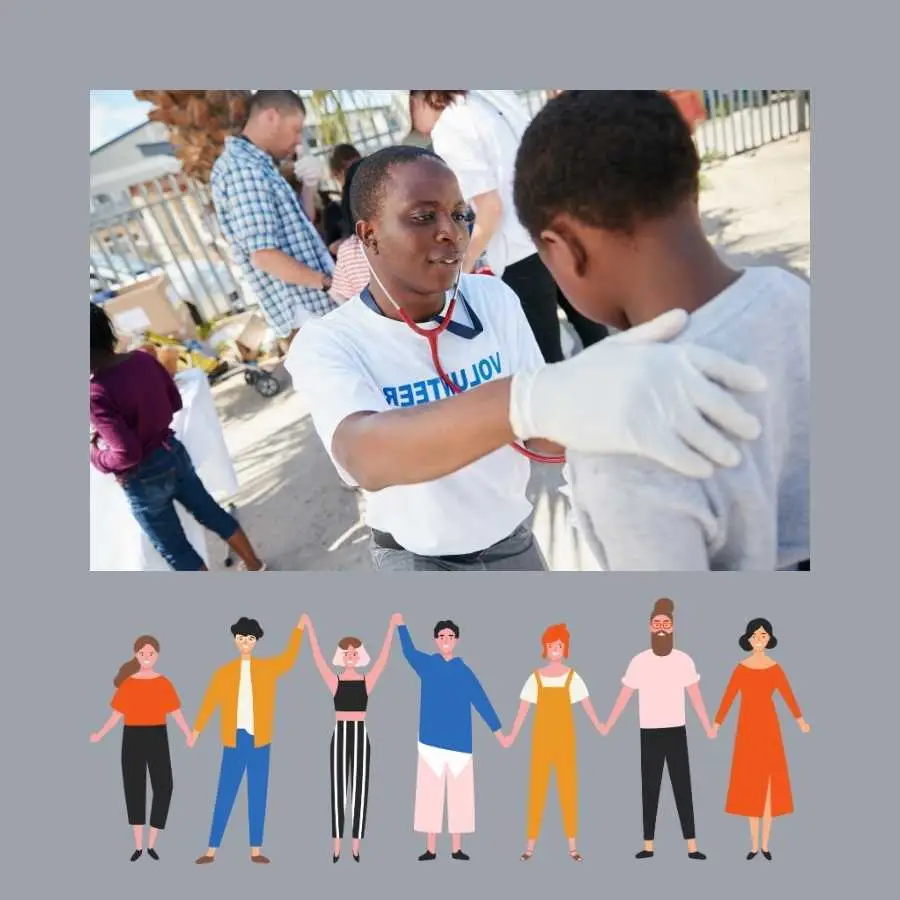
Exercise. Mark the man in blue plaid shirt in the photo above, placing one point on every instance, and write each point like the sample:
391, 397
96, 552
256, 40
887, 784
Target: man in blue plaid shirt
273, 241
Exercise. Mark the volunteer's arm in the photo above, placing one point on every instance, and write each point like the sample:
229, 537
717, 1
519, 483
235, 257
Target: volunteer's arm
488, 216
616, 397
422, 443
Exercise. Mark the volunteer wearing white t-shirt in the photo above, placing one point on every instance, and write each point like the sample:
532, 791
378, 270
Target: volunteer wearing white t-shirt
477, 133
442, 488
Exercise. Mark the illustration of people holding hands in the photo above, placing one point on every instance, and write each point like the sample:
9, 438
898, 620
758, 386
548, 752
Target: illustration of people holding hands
661, 675
243, 691
350, 752
553, 691
449, 691
144, 698
759, 787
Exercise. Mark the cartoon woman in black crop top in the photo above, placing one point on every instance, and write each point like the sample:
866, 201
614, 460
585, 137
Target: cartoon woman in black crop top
351, 752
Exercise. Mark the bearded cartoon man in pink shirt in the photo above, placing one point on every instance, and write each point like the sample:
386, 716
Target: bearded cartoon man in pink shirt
661, 675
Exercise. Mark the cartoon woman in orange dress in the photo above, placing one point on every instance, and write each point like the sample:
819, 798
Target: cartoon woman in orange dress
760, 787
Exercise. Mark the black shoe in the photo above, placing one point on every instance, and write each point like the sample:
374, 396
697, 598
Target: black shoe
767, 855
136, 855
460, 855
696, 855
356, 857
335, 857
427, 856
644, 854
153, 854
752, 854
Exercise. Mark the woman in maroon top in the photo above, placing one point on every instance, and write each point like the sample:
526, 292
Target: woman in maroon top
133, 400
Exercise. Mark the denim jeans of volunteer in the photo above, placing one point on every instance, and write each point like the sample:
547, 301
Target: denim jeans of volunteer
165, 476
517, 553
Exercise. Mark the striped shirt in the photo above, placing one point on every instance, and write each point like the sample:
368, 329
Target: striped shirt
351, 273
258, 210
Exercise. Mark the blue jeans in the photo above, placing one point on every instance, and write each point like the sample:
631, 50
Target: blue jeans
244, 757
165, 476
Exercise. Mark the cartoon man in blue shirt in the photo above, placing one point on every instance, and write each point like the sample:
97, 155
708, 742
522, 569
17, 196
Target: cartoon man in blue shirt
449, 691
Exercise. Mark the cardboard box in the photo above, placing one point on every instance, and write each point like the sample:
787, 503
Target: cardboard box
150, 305
244, 335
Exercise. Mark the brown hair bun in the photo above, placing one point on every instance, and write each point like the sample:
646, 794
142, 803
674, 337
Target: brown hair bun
663, 607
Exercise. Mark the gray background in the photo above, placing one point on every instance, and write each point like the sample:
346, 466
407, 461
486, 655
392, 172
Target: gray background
63, 825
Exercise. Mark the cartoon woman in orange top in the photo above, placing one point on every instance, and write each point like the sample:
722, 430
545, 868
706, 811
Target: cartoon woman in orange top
553, 690
144, 699
760, 786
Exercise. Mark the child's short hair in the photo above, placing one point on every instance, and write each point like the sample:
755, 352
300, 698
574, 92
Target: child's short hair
608, 158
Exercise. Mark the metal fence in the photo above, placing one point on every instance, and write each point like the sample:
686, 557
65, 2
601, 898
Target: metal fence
742, 120
169, 225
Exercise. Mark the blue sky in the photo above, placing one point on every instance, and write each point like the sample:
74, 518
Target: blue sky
113, 112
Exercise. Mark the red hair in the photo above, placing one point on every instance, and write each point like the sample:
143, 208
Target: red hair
553, 634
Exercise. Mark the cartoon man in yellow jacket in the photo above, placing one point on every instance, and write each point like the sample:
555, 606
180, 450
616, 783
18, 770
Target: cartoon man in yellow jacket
244, 693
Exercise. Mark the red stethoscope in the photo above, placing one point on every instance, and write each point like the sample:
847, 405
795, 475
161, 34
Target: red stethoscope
431, 335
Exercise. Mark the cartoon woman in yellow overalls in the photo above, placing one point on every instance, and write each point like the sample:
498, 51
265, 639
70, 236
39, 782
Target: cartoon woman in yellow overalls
553, 690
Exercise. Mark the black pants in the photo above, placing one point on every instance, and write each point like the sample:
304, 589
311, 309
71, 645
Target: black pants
351, 760
536, 289
588, 331
145, 748
661, 747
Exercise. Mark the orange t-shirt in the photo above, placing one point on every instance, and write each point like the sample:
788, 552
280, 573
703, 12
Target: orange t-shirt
145, 701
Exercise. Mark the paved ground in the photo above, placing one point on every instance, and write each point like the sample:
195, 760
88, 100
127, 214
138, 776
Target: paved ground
756, 208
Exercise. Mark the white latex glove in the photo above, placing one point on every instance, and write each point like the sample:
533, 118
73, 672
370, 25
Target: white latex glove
634, 393
309, 170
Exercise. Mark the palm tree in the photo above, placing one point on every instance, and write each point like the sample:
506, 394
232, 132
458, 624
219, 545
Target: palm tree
198, 123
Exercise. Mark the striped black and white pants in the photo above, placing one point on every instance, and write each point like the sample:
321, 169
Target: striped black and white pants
351, 756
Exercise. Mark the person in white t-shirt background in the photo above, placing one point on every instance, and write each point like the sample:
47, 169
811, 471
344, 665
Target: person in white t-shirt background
553, 691
661, 675
442, 490
477, 134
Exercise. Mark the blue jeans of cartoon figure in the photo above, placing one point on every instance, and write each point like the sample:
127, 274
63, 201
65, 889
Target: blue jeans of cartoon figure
243, 757
165, 476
